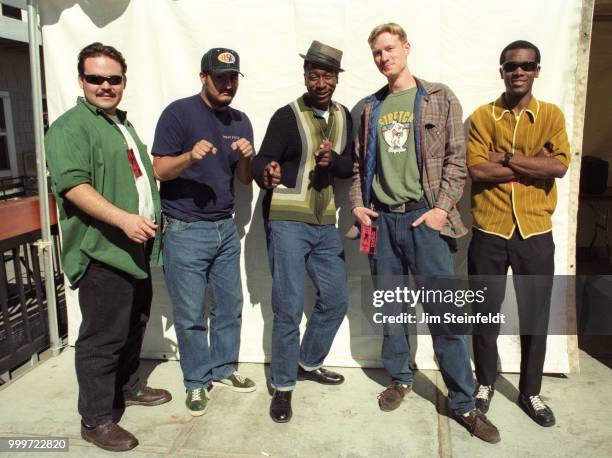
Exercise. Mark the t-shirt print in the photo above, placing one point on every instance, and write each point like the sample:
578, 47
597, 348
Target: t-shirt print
395, 128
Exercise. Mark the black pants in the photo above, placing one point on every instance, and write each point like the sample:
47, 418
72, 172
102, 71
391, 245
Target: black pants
492, 255
115, 308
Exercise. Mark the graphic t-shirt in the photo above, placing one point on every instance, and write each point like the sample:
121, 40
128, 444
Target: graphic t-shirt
397, 178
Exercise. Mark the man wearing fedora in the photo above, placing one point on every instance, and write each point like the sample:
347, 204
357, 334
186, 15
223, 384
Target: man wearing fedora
200, 143
307, 145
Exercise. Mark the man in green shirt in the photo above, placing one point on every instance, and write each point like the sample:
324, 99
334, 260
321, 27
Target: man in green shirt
108, 211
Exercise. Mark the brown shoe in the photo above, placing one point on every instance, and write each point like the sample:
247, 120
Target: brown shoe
392, 396
147, 396
479, 425
110, 436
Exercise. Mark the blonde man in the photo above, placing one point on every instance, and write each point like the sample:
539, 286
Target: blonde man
408, 190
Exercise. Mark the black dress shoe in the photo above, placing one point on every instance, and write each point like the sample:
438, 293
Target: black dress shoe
280, 407
109, 436
537, 410
321, 375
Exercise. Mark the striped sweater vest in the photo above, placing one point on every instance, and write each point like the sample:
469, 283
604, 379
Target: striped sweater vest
312, 199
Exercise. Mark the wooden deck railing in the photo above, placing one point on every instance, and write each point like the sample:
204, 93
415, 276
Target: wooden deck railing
23, 306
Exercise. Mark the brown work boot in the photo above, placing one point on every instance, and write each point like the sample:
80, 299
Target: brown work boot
110, 436
392, 396
479, 425
147, 396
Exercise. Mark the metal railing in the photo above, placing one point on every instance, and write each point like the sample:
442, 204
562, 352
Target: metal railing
24, 325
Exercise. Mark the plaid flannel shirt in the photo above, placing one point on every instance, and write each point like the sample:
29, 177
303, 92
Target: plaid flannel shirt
440, 150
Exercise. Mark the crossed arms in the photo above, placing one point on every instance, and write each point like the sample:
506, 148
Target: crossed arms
486, 164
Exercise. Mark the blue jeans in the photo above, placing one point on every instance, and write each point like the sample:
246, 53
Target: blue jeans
196, 256
294, 249
401, 249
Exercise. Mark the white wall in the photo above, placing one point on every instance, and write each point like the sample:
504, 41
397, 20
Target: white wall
454, 41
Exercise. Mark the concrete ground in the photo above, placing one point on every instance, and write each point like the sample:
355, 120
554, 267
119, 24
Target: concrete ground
327, 421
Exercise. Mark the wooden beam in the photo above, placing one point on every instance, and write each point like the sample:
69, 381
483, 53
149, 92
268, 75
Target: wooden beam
21, 216
582, 73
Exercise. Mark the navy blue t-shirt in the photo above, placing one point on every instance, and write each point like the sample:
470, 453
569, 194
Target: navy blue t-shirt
204, 191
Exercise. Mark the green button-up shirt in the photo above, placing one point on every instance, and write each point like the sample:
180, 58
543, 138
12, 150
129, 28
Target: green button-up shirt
85, 146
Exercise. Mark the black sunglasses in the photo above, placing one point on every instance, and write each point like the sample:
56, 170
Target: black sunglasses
528, 66
113, 80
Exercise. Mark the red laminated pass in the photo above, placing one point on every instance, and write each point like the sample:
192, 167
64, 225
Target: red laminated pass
368, 239
134, 163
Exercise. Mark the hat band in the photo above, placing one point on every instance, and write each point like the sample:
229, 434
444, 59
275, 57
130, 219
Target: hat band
323, 59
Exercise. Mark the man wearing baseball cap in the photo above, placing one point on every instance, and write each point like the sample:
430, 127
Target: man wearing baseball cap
200, 142
307, 145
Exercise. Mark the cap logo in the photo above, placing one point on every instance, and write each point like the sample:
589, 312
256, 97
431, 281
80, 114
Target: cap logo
226, 58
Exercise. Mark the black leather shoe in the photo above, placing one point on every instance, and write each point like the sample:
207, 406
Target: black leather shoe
147, 396
482, 397
537, 410
109, 436
280, 407
321, 375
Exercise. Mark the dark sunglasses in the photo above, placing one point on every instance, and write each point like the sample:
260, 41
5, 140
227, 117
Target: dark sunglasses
113, 80
528, 66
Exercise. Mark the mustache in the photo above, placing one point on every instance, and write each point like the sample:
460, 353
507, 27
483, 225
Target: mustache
109, 92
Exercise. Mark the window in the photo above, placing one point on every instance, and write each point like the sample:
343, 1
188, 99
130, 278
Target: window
7, 138
11, 11
4, 153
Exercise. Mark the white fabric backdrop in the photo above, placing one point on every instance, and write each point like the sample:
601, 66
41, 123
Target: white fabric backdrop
453, 41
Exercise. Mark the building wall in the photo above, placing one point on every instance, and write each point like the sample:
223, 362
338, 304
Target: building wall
15, 79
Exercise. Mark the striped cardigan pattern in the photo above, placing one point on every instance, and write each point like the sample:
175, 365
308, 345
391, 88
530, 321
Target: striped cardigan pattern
312, 198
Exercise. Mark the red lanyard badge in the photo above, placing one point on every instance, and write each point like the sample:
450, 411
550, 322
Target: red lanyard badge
134, 163
368, 239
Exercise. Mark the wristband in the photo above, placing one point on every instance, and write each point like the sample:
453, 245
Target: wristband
506, 161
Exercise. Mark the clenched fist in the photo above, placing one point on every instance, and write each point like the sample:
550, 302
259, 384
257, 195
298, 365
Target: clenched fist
201, 149
272, 175
323, 156
243, 146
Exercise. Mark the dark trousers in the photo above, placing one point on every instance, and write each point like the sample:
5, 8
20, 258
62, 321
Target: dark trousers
115, 308
492, 255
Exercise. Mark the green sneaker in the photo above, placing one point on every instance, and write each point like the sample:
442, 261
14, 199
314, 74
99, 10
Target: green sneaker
197, 401
236, 382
